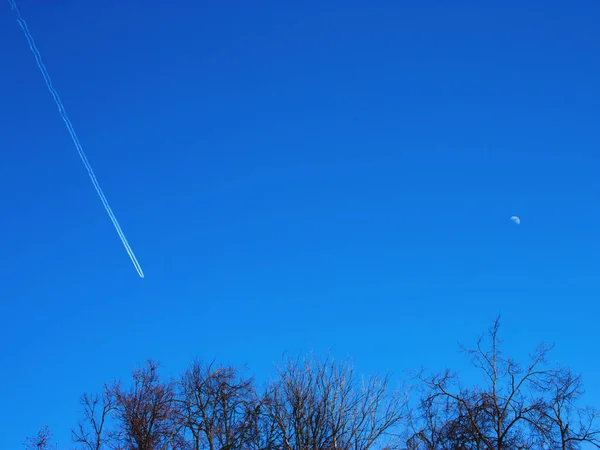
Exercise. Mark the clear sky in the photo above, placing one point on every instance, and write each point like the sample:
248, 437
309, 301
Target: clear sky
293, 176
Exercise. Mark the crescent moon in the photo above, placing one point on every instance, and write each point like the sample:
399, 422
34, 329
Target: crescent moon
516, 220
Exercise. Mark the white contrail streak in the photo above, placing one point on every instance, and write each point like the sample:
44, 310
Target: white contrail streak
65, 118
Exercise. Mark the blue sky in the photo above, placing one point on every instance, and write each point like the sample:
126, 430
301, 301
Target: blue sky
293, 176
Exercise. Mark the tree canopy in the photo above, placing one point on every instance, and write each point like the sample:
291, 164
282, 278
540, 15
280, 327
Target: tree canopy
323, 404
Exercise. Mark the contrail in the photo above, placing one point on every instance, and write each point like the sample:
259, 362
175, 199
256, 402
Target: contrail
65, 118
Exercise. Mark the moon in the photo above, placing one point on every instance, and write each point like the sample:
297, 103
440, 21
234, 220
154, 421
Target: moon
515, 219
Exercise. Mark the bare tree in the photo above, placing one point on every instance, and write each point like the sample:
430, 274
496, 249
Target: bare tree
562, 423
518, 407
495, 417
145, 413
263, 434
322, 405
91, 431
217, 407
41, 441
440, 424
